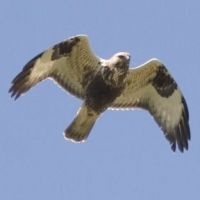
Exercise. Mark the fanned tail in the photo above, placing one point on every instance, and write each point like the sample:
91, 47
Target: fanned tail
81, 126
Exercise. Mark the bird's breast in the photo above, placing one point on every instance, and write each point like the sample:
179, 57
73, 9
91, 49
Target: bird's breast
100, 95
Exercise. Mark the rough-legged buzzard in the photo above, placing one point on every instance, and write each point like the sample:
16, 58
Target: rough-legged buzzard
103, 84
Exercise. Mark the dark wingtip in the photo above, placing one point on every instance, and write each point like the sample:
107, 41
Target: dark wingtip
16, 90
19, 83
182, 132
173, 147
13, 92
178, 138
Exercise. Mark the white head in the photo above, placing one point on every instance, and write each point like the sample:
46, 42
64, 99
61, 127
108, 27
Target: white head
120, 59
116, 68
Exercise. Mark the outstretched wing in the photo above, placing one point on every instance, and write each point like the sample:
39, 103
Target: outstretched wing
70, 63
150, 86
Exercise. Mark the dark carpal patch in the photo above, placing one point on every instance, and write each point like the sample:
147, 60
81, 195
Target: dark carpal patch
64, 48
164, 83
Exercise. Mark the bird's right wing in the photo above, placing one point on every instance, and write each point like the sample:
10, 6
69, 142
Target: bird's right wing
70, 63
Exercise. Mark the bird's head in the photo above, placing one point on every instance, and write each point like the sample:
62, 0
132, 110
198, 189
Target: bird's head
120, 61
116, 68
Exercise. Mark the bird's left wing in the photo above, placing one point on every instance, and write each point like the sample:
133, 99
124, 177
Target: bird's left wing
150, 86
70, 63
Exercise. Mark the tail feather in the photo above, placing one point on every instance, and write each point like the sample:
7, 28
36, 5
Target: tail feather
81, 126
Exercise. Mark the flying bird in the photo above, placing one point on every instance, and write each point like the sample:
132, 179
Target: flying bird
108, 83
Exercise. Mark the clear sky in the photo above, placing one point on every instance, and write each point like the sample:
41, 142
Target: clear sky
126, 155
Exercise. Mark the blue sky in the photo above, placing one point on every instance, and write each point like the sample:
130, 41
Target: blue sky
126, 155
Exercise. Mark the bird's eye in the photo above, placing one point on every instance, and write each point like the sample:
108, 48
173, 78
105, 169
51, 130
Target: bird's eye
121, 56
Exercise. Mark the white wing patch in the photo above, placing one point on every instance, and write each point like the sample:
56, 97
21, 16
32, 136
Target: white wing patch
43, 66
169, 109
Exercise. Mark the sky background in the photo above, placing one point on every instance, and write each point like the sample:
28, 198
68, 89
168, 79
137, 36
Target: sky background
126, 155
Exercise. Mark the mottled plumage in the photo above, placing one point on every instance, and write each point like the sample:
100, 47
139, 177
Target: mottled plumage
103, 84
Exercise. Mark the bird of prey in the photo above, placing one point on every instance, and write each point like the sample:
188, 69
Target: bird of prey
108, 83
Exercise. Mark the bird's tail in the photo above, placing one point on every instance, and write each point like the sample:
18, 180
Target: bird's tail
81, 126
